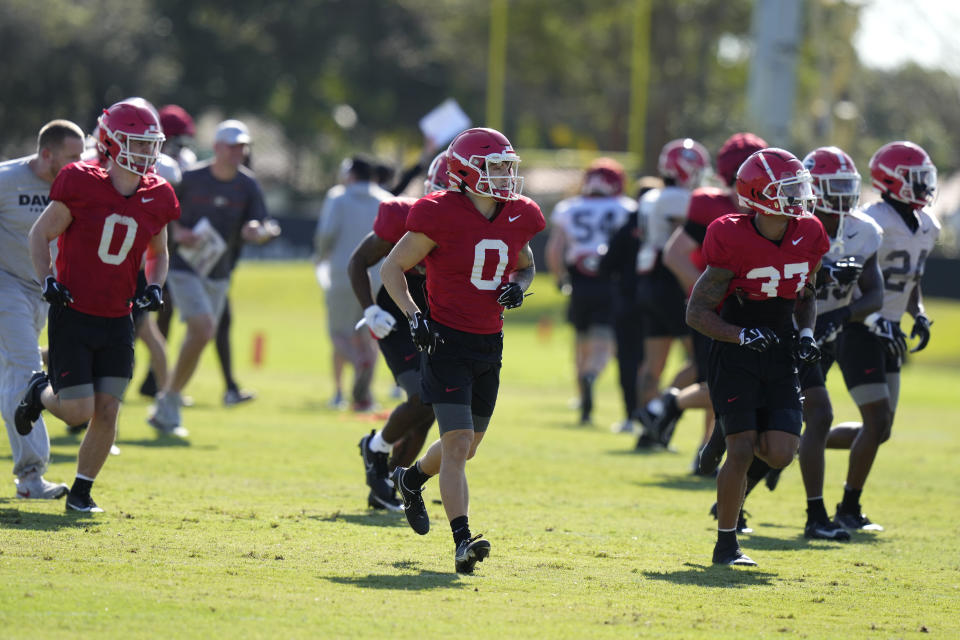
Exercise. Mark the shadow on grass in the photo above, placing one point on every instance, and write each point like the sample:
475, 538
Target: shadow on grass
16, 519
165, 442
372, 518
799, 542
684, 482
714, 576
421, 581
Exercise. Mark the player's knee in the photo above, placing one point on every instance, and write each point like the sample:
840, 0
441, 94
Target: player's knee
201, 328
818, 420
778, 452
458, 444
740, 448
107, 408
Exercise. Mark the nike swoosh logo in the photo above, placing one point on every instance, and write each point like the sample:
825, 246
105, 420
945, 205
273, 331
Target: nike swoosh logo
853, 235
511, 219
733, 399
146, 200
451, 389
409, 357
797, 241
869, 371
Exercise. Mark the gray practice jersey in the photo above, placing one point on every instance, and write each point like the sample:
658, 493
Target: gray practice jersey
902, 255
588, 223
861, 239
23, 197
346, 218
661, 210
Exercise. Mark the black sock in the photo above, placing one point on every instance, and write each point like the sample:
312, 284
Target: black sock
81, 487
461, 530
851, 500
816, 511
727, 539
414, 478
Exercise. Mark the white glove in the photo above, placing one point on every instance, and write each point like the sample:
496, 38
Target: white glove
379, 321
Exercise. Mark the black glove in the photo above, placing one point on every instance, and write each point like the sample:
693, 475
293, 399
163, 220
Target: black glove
511, 295
893, 338
845, 271
758, 338
151, 300
830, 324
921, 329
807, 350
424, 337
55, 293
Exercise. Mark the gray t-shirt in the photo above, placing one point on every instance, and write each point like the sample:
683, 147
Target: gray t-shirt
346, 218
23, 197
227, 205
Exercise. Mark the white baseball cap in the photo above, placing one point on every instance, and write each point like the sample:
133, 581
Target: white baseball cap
232, 132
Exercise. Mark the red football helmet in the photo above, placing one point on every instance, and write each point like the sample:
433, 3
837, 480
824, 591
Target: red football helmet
734, 151
124, 125
773, 181
604, 177
836, 182
904, 170
175, 121
482, 161
685, 161
437, 178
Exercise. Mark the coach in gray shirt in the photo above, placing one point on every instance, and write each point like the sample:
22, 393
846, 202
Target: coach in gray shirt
345, 220
24, 190
220, 194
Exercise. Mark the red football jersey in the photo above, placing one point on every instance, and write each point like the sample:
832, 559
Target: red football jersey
101, 251
764, 269
473, 256
706, 205
391, 221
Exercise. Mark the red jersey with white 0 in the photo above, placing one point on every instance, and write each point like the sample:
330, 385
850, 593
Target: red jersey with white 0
763, 269
100, 253
473, 256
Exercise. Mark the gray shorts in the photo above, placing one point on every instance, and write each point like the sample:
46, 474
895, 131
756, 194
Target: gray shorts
343, 311
195, 295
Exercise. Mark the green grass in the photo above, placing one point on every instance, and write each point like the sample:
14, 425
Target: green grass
258, 528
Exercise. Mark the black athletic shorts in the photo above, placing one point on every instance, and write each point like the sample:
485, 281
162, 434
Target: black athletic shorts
664, 305
815, 374
755, 391
863, 357
464, 369
591, 302
84, 348
701, 354
397, 346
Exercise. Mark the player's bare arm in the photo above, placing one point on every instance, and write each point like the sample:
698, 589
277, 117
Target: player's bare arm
52, 222
412, 248
368, 253
157, 259
915, 302
707, 295
871, 290
676, 256
556, 244
523, 274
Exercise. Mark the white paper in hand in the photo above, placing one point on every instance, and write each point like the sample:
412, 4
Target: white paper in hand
444, 122
205, 254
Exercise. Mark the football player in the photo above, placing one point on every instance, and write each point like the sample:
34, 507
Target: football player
407, 427
682, 165
474, 239
105, 221
682, 255
907, 181
759, 267
850, 264
24, 193
581, 229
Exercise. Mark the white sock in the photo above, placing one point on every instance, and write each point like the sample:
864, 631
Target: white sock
379, 445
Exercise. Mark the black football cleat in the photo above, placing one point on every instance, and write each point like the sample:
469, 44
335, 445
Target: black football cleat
732, 557
375, 469
470, 552
28, 411
413, 506
391, 503
855, 521
825, 531
666, 423
772, 478
83, 504
711, 454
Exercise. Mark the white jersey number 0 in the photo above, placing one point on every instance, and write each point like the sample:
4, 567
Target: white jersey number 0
480, 258
106, 238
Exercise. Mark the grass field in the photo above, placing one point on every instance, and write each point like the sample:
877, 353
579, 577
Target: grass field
257, 526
